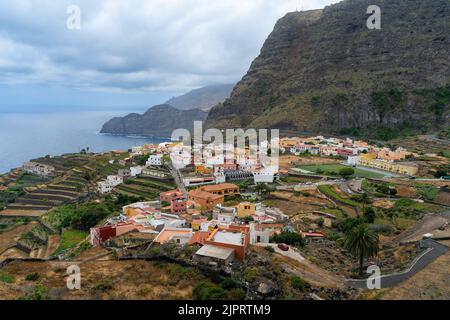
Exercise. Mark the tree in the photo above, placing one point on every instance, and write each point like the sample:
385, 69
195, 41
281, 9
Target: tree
369, 214
362, 243
291, 238
346, 172
440, 173
363, 198
262, 188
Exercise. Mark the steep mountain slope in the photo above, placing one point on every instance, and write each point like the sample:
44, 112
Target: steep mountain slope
204, 98
325, 71
157, 121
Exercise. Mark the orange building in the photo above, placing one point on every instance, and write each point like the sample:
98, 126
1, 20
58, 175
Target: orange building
233, 237
225, 189
176, 199
205, 199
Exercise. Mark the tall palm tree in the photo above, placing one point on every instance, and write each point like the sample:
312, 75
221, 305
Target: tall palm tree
361, 242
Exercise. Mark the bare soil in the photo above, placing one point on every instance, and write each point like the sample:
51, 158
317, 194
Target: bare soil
9, 238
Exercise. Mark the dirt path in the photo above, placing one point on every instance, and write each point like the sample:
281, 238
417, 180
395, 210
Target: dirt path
52, 244
311, 273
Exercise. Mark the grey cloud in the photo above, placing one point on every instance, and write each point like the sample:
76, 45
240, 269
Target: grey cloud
136, 45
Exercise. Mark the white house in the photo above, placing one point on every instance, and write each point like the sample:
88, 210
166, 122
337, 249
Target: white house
39, 169
261, 233
109, 184
154, 160
135, 171
353, 160
219, 174
265, 176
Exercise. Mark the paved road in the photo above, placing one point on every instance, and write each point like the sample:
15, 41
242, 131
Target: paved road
434, 251
178, 179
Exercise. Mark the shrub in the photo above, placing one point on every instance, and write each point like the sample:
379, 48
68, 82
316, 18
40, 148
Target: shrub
320, 222
428, 192
236, 294
297, 283
291, 238
229, 283
248, 219
346, 172
251, 274
103, 285
6, 278
208, 291
32, 276
40, 292
270, 249
404, 203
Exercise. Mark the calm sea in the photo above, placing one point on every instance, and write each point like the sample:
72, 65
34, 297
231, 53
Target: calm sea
24, 136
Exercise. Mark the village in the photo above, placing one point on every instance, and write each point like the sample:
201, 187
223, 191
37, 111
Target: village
275, 231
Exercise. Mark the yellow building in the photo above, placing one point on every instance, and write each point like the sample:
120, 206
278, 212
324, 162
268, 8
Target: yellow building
404, 168
196, 224
245, 209
368, 156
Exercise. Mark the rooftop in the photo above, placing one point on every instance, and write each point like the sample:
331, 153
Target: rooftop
228, 237
169, 233
203, 194
219, 187
215, 252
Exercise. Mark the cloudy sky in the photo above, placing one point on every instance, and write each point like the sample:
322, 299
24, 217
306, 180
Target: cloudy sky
129, 53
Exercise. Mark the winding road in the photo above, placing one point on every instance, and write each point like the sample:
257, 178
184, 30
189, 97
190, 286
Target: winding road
434, 250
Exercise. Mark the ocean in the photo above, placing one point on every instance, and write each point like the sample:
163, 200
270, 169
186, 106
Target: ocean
25, 136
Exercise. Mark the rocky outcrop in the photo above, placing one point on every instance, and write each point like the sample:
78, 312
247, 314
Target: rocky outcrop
158, 121
204, 98
325, 71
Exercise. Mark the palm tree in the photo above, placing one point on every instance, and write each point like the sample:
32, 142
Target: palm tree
361, 242
365, 199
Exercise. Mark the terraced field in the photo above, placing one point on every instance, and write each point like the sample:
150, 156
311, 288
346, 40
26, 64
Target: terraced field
41, 199
145, 187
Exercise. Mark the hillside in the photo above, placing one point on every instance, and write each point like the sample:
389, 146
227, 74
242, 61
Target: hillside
325, 71
157, 121
204, 98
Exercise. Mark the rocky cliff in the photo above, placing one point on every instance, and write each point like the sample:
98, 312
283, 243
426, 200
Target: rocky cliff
203, 98
178, 112
325, 71
157, 121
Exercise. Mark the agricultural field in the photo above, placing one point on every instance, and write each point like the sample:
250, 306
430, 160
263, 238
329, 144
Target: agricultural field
146, 188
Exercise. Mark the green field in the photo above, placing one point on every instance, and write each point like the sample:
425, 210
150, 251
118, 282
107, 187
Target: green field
334, 168
69, 239
325, 189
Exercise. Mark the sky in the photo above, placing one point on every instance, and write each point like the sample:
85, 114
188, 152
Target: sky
128, 54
